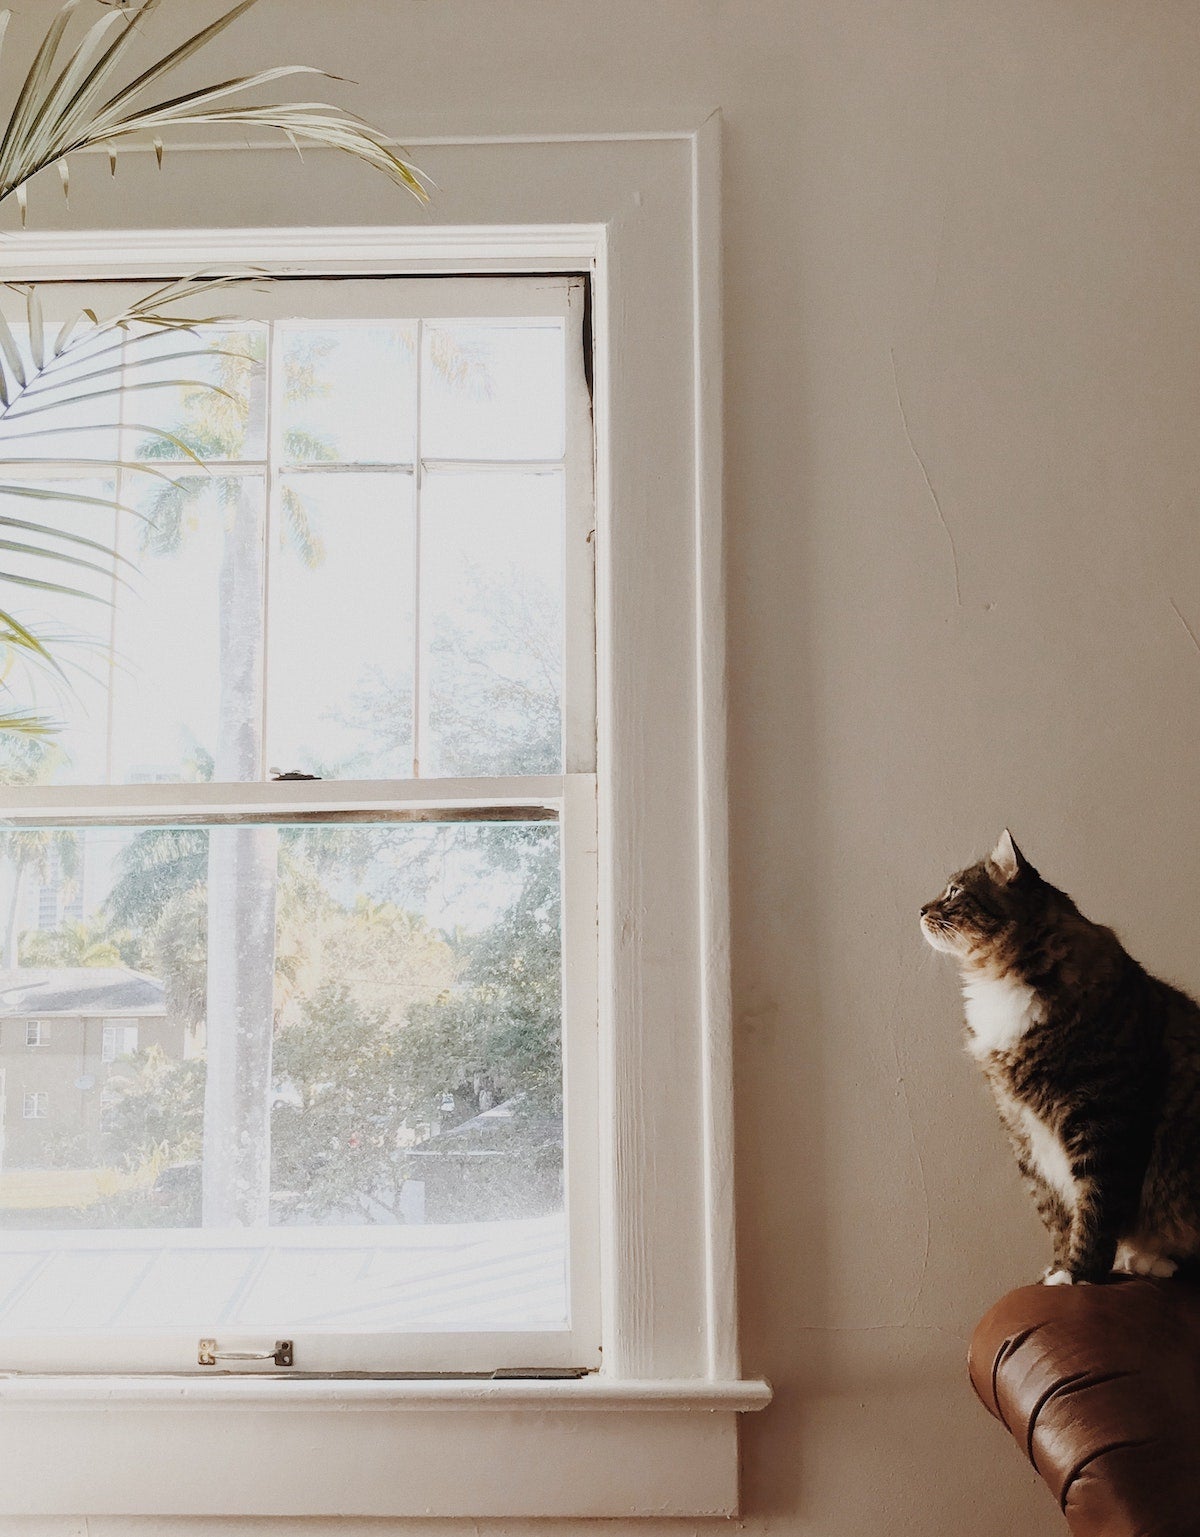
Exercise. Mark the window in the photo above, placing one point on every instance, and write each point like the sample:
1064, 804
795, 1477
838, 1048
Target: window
118, 1041
331, 769
36, 1106
639, 215
36, 1033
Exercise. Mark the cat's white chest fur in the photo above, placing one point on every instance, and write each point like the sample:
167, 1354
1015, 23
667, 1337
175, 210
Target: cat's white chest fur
999, 1012
1046, 1153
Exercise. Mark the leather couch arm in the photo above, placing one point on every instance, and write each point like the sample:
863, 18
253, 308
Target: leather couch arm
1100, 1388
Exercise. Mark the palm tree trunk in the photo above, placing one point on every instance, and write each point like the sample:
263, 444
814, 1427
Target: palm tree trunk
14, 909
241, 902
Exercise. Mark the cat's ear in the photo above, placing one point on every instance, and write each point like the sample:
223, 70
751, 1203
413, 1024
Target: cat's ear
1006, 858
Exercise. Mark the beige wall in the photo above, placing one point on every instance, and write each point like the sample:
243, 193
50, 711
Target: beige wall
984, 216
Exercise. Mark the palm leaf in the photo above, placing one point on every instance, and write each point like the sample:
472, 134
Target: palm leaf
72, 99
26, 526
15, 635
26, 723
35, 82
47, 552
298, 530
84, 397
43, 386
131, 363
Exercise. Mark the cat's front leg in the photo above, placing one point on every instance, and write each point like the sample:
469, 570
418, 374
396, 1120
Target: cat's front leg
1104, 1200
1056, 1219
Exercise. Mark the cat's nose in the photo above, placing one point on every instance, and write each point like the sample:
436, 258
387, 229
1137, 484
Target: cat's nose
926, 908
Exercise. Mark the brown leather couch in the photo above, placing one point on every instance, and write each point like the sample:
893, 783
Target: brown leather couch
1100, 1388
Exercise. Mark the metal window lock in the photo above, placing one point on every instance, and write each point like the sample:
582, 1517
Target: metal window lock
209, 1354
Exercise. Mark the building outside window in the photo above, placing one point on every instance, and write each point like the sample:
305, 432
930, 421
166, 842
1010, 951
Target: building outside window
36, 1106
36, 1033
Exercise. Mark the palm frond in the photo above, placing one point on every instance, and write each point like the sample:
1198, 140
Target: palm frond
15, 636
297, 529
72, 99
27, 723
45, 382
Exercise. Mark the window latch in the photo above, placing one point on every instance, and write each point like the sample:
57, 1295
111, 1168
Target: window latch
209, 1354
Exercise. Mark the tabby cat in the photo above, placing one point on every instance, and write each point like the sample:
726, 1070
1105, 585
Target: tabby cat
1094, 1065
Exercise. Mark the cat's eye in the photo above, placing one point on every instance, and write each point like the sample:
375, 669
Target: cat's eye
953, 891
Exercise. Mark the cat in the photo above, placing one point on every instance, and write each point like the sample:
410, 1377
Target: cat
1094, 1065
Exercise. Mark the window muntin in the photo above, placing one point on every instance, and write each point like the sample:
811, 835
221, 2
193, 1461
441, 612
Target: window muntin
389, 527
36, 1033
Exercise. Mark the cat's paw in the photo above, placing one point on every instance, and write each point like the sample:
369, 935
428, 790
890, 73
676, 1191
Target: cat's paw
1131, 1260
1056, 1277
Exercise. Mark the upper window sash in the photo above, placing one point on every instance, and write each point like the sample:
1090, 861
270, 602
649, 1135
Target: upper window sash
420, 301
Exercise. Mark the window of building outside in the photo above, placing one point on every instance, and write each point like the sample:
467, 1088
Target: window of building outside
310, 887
118, 1041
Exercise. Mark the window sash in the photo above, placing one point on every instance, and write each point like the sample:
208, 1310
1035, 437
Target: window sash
343, 301
569, 797
424, 1351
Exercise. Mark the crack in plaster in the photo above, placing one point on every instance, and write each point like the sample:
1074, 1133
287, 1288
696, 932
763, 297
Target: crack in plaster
1191, 634
928, 483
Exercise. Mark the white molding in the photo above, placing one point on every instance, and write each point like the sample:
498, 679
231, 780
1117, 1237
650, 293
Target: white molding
50, 255
712, 754
222, 144
591, 1394
93, 1459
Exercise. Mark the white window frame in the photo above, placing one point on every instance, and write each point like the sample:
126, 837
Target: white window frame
654, 1431
35, 1105
569, 796
36, 1033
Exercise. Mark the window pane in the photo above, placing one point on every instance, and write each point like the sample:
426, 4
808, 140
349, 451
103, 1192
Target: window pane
225, 422
349, 392
322, 1064
492, 389
76, 629
341, 629
187, 697
492, 620
65, 428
